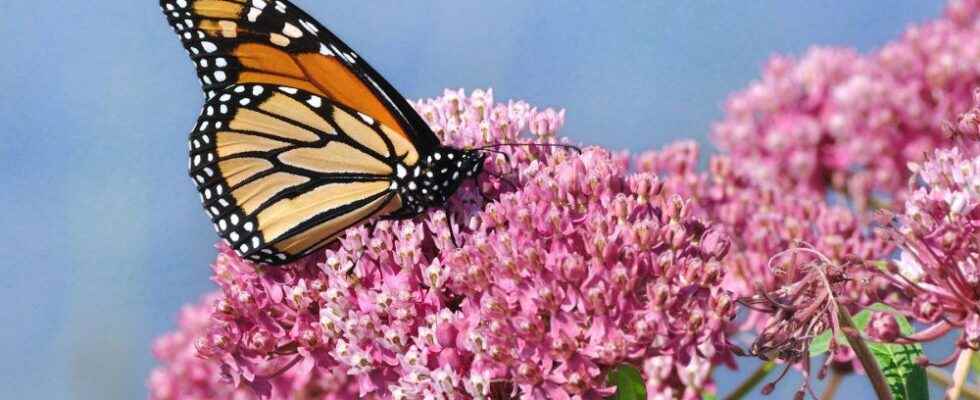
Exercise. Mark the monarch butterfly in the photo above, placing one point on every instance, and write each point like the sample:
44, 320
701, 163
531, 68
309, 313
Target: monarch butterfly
299, 138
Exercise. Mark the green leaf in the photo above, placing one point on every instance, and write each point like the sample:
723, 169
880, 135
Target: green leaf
629, 383
906, 378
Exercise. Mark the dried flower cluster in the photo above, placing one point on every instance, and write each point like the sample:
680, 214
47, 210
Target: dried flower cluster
581, 267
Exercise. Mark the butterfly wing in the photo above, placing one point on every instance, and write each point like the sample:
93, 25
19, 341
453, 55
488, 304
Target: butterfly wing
282, 171
274, 42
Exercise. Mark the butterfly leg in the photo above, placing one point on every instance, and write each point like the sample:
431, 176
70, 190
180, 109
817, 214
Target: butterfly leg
449, 223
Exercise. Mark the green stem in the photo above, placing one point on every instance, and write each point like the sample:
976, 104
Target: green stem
959, 374
941, 377
752, 381
864, 355
836, 377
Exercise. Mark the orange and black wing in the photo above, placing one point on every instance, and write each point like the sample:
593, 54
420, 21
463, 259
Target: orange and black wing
274, 42
282, 171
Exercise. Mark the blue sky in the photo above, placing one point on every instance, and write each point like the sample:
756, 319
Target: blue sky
104, 239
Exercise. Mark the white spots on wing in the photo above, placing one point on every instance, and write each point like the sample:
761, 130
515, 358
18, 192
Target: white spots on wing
256, 242
326, 51
253, 14
278, 40
438, 156
249, 226
292, 31
209, 111
309, 27
288, 90
280, 6
281, 256
393, 186
209, 171
243, 248
209, 47
239, 89
366, 118
315, 101
220, 76
234, 236
204, 127
348, 57
197, 160
221, 62
244, 102
234, 219
182, 3
224, 98
401, 171
223, 224
257, 90
450, 156
412, 186
417, 171
224, 109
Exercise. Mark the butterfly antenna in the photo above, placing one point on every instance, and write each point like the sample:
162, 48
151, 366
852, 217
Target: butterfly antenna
506, 156
558, 145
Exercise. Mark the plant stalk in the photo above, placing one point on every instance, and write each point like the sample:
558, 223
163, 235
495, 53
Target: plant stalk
871, 368
959, 374
752, 381
836, 377
941, 377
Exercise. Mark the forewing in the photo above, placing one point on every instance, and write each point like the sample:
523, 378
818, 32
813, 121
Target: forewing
274, 42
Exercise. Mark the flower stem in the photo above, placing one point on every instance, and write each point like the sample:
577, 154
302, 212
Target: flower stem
752, 381
836, 377
941, 377
959, 374
864, 355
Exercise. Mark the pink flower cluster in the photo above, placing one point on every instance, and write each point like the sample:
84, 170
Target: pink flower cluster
574, 266
762, 219
937, 273
838, 119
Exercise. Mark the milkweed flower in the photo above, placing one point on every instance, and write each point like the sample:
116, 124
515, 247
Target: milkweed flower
937, 273
568, 266
838, 119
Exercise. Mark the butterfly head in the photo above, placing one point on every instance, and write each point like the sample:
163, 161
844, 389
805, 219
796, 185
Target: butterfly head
436, 177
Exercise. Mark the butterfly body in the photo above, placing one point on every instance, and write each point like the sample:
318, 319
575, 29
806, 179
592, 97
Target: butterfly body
300, 138
432, 181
